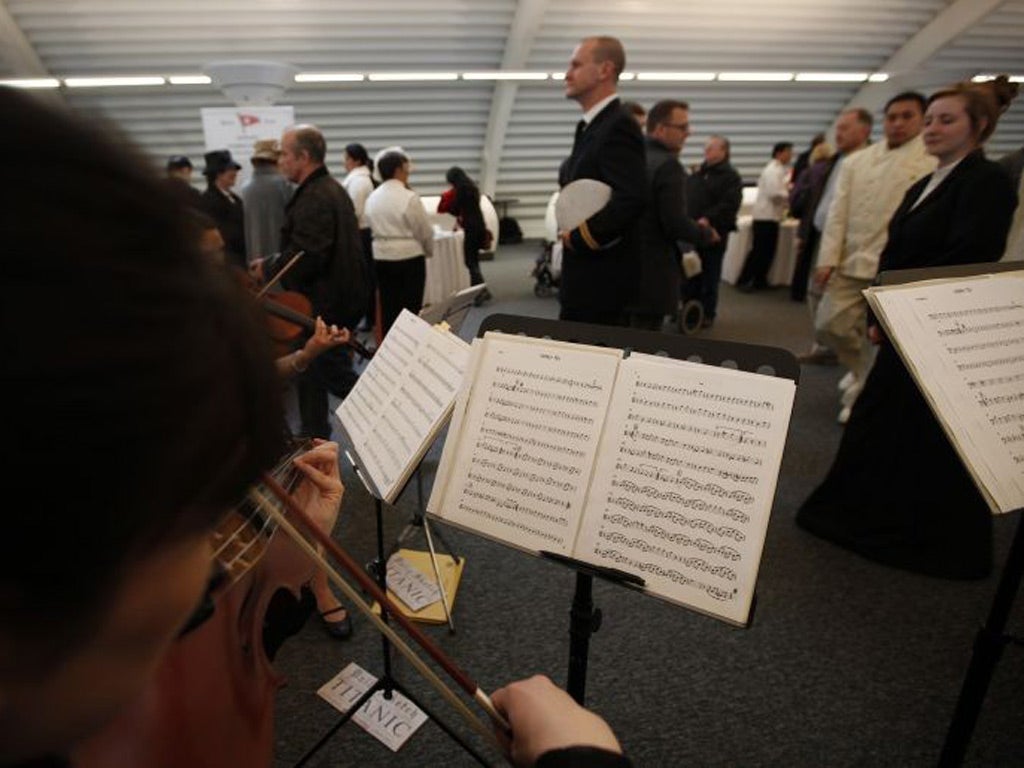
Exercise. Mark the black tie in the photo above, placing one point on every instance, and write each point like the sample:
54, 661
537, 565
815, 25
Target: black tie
580, 127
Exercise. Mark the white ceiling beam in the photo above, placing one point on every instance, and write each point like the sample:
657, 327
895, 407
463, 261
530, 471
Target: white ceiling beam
948, 24
522, 32
19, 54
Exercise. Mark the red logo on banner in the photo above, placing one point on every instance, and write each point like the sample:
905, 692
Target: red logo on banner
247, 120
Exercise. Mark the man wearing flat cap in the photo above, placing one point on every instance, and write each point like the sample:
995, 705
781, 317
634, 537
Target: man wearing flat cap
223, 205
265, 196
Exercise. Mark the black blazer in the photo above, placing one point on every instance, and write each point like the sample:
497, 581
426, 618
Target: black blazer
230, 218
963, 221
664, 225
600, 269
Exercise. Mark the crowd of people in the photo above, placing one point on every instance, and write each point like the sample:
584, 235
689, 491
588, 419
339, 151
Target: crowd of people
174, 384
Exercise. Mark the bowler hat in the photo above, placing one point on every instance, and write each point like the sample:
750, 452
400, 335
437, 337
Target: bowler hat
218, 161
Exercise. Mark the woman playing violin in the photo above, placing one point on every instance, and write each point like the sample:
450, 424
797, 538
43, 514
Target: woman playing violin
135, 416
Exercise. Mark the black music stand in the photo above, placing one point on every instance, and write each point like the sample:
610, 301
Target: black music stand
387, 682
991, 637
585, 620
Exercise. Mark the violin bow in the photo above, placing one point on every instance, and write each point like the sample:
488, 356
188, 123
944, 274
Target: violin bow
272, 282
369, 585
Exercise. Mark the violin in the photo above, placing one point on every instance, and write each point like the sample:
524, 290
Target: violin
288, 317
211, 701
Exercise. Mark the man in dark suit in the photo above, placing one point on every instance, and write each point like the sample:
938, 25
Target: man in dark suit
665, 223
599, 266
714, 193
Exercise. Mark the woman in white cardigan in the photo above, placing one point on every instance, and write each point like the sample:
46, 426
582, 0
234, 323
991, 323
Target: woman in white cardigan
403, 238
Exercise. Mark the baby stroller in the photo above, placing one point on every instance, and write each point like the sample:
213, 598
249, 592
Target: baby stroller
548, 268
546, 271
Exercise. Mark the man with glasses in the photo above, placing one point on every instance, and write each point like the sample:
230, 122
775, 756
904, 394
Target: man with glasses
665, 223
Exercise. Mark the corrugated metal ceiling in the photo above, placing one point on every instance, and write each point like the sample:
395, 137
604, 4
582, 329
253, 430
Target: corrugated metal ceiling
446, 123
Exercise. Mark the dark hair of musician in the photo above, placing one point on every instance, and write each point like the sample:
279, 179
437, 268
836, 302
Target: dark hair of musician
139, 395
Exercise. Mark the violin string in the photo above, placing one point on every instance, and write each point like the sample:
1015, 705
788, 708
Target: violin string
356, 599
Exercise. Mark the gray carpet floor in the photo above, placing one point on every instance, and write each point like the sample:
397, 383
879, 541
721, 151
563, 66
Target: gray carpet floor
846, 663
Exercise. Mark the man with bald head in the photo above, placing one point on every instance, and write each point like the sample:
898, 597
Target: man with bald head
599, 263
320, 221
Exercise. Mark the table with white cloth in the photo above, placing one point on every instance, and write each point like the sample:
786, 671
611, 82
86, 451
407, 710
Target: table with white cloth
738, 246
446, 271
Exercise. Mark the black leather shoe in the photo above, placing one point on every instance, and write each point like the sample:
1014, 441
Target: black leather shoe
341, 629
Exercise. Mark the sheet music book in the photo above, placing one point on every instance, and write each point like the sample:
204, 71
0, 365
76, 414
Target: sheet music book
962, 339
402, 400
663, 469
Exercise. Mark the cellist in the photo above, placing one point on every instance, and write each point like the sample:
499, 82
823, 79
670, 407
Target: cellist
130, 427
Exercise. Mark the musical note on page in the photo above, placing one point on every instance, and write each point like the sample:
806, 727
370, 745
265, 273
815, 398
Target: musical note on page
527, 441
402, 399
685, 480
963, 341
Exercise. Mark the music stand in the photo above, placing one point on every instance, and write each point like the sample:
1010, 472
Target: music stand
452, 311
454, 308
991, 637
585, 620
387, 682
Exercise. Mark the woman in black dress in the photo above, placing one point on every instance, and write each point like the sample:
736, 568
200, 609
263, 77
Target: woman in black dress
897, 492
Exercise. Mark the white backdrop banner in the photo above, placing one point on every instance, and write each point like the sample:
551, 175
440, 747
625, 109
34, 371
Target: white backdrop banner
238, 128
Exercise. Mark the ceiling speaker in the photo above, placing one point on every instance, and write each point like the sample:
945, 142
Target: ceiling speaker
251, 82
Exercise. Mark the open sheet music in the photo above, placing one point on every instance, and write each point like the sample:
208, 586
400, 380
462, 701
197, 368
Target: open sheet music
402, 400
660, 468
962, 340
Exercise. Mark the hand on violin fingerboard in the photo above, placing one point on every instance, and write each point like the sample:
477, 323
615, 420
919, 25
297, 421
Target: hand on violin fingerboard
325, 337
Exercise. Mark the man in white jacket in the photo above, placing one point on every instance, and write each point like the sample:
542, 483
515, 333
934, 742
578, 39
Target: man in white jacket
870, 187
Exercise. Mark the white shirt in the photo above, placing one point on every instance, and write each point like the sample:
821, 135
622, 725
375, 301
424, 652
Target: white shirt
399, 222
594, 111
772, 194
359, 185
937, 178
871, 186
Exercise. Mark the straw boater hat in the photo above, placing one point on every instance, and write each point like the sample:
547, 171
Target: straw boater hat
266, 149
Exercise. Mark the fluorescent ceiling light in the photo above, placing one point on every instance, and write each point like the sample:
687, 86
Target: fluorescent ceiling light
878, 77
504, 75
111, 82
189, 80
386, 77
755, 77
831, 77
329, 77
687, 77
986, 78
32, 82
558, 75
624, 76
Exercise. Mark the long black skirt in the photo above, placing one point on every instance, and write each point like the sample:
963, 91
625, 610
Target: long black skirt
897, 492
